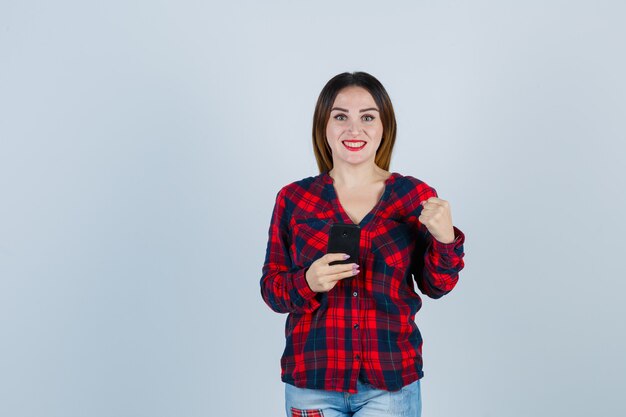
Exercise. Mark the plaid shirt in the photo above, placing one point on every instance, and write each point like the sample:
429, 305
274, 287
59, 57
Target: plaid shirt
365, 324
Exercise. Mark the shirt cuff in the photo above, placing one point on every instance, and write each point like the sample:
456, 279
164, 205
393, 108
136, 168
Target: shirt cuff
449, 248
302, 286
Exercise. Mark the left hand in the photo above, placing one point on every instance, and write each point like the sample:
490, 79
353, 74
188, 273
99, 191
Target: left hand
437, 218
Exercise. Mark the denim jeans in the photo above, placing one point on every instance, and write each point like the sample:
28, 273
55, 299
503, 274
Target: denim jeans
368, 402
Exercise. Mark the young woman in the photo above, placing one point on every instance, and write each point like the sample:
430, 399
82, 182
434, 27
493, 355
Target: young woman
352, 345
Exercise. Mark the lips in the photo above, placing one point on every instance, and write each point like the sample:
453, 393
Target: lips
354, 145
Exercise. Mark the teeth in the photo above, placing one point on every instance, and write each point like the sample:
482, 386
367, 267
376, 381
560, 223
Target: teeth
354, 144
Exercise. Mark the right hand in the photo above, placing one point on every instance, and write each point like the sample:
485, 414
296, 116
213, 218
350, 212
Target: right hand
322, 277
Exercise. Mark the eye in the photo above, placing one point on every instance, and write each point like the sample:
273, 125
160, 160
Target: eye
368, 117
340, 117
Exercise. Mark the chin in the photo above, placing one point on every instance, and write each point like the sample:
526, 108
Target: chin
356, 160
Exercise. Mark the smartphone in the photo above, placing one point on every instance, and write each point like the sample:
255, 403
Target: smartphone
344, 238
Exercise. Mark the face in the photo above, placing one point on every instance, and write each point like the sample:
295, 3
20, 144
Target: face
354, 130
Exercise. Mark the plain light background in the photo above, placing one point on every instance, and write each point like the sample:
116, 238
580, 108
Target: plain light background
142, 144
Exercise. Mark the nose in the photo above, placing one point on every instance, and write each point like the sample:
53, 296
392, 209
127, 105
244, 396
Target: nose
354, 127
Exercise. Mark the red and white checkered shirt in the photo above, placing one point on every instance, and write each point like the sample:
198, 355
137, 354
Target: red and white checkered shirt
365, 324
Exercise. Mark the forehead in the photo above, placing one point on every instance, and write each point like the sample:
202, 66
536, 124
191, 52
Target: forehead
354, 96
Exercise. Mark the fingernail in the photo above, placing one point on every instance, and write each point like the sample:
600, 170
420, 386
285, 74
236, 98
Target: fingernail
346, 256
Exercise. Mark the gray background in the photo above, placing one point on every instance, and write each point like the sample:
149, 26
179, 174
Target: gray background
142, 145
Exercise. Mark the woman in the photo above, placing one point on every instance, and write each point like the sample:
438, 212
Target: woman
352, 345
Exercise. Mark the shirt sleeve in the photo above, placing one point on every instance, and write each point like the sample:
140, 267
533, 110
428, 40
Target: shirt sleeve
284, 287
435, 265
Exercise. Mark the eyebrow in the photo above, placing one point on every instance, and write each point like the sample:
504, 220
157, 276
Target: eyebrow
360, 111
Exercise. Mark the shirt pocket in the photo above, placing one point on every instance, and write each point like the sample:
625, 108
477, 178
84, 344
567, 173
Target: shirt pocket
310, 239
393, 243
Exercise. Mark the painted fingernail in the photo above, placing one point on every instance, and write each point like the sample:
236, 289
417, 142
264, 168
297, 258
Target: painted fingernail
346, 256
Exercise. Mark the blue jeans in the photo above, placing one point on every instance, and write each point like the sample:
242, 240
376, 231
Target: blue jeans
368, 402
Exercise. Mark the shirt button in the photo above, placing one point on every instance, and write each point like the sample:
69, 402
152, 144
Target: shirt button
356, 326
357, 357
355, 294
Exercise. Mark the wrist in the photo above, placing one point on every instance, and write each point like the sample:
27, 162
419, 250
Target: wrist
447, 239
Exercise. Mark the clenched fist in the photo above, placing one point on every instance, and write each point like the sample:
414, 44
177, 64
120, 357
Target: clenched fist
437, 218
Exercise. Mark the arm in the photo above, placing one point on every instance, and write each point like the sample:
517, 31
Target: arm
435, 265
284, 287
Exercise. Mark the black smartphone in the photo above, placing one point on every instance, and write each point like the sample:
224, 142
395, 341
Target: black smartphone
344, 238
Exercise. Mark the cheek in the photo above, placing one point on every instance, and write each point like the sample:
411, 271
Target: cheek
375, 133
332, 132
377, 128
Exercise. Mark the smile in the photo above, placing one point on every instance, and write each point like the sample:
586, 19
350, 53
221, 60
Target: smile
354, 145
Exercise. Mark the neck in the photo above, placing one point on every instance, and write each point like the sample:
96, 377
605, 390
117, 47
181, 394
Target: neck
355, 175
